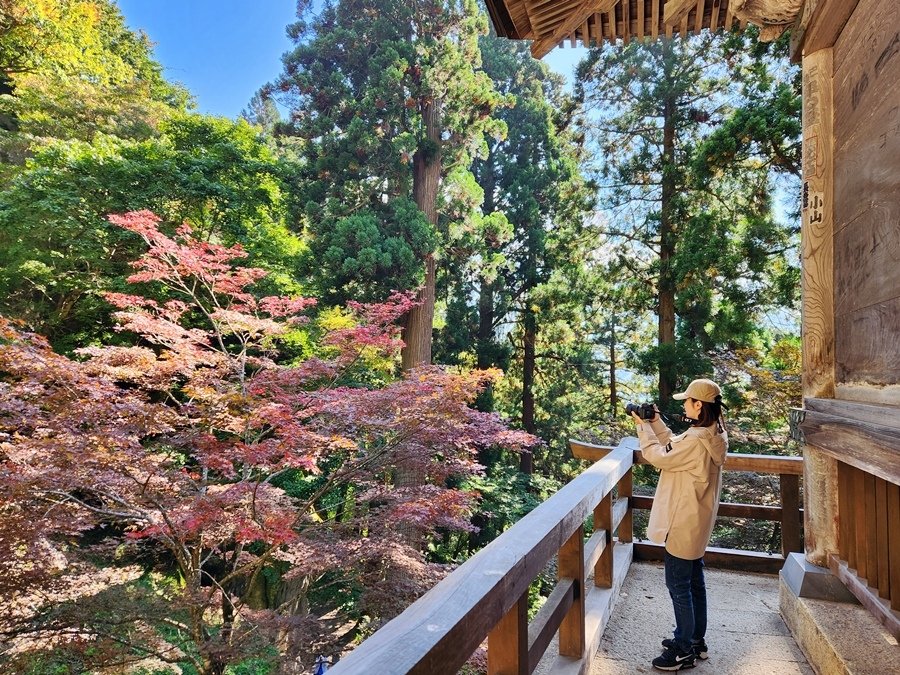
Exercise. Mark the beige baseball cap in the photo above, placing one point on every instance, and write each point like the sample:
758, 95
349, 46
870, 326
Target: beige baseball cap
700, 390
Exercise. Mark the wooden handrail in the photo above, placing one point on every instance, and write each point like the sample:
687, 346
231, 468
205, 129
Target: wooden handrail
487, 595
788, 469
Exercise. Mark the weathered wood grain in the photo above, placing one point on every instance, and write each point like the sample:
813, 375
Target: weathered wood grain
508, 642
873, 448
868, 350
817, 244
570, 565
866, 595
893, 523
791, 516
819, 24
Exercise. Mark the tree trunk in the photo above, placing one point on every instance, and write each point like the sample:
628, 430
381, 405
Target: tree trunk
526, 461
613, 393
484, 343
666, 251
417, 332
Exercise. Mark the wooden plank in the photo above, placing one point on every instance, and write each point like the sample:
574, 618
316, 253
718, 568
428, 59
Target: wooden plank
699, 16
892, 494
626, 21
757, 463
869, 599
867, 352
721, 558
625, 490
729, 510
729, 17
588, 451
790, 514
641, 20
571, 566
610, 26
594, 547
676, 11
438, 632
863, 413
548, 619
619, 509
598, 29
654, 26
845, 493
859, 524
817, 245
866, 66
871, 529
508, 642
603, 519
873, 448
882, 539
714, 18
818, 25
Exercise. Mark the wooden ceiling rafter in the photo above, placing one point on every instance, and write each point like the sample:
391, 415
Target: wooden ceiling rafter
551, 23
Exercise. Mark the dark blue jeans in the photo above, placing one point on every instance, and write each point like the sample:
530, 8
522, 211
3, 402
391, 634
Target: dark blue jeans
684, 579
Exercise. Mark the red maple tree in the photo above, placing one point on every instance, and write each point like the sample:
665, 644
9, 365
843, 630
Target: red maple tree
147, 492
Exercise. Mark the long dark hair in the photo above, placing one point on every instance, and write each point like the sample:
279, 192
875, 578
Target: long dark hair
711, 413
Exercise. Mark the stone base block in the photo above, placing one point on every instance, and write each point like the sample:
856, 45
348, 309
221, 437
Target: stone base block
838, 638
806, 580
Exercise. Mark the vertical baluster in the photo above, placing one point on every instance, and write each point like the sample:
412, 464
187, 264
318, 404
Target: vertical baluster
508, 642
790, 513
860, 544
893, 520
571, 566
603, 570
881, 538
871, 530
625, 490
845, 509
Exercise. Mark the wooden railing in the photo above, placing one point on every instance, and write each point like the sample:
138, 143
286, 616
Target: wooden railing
865, 441
487, 596
789, 513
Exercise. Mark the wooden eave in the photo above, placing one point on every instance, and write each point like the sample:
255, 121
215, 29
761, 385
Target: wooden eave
551, 23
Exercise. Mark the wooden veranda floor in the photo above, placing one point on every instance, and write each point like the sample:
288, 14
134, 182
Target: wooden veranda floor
746, 635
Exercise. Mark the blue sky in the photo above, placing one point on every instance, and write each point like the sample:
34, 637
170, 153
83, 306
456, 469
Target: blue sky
224, 50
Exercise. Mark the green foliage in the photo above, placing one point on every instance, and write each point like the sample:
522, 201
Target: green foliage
695, 140
72, 69
58, 253
358, 83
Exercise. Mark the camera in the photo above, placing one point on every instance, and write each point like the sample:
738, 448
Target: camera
645, 411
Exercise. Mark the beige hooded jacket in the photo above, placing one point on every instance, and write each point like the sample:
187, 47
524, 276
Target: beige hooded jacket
690, 480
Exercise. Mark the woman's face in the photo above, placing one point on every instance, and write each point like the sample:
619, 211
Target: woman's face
692, 408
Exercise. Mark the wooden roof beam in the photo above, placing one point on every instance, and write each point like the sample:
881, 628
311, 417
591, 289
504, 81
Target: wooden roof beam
542, 46
676, 10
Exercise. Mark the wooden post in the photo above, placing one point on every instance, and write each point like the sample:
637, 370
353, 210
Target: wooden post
571, 566
603, 520
817, 255
790, 514
625, 490
508, 642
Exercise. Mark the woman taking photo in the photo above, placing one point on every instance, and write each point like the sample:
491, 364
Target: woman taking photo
684, 511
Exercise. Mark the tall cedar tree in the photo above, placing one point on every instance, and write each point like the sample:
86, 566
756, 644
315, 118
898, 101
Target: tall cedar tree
532, 177
178, 455
392, 106
703, 247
